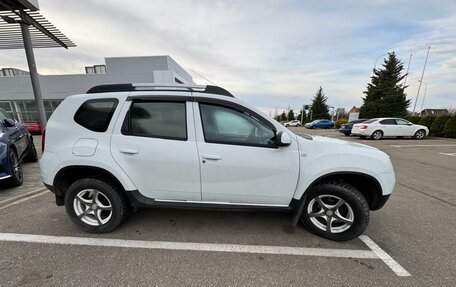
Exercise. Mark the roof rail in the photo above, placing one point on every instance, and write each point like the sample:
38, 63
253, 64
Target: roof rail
158, 87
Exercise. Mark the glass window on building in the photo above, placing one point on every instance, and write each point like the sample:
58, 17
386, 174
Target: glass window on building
26, 110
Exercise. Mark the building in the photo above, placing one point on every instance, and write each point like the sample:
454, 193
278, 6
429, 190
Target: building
16, 94
434, 112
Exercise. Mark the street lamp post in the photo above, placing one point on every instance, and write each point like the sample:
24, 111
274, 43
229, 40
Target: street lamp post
375, 65
424, 96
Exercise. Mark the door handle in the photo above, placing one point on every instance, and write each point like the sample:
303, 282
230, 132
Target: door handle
128, 151
212, 157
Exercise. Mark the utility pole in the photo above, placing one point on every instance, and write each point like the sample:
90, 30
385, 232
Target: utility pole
422, 102
408, 68
421, 80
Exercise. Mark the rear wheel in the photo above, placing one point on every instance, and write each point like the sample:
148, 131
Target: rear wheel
335, 210
95, 205
17, 177
419, 135
378, 134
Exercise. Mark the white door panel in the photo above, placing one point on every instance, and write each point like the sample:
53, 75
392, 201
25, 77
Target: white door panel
160, 168
245, 174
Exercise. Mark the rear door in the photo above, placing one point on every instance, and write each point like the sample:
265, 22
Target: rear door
154, 143
239, 160
389, 127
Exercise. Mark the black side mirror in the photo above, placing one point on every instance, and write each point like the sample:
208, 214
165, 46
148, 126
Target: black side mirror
9, 123
282, 139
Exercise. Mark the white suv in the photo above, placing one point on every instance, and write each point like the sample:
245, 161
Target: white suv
293, 123
120, 147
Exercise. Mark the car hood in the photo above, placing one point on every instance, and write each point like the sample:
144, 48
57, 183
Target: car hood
331, 141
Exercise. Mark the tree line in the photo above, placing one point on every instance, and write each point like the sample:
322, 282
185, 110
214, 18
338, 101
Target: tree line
384, 96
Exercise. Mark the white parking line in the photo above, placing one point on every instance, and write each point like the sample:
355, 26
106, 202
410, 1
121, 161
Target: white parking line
22, 199
396, 267
449, 154
23, 195
424, 145
375, 253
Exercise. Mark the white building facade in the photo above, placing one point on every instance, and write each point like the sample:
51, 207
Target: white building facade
16, 94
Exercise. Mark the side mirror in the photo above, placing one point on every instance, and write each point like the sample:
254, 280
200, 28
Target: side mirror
283, 139
9, 123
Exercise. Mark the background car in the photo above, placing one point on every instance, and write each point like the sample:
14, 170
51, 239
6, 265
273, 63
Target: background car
346, 129
294, 123
34, 127
321, 124
16, 144
389, 127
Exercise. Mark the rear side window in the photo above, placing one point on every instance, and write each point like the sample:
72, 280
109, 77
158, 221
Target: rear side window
96, 115
165, 120
388, 122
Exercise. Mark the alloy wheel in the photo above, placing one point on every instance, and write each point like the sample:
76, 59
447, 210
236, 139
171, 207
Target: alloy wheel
16, 166
92, 207
330, 213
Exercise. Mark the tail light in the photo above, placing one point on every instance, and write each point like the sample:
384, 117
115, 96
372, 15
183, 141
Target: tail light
43, 139
363, 127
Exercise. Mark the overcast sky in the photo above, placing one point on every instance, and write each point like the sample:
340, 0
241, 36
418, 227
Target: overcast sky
271, 54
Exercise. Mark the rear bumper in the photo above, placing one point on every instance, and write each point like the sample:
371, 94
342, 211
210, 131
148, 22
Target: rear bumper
345, 131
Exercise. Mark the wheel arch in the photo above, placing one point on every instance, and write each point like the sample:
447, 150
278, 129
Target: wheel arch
368, 185
69, 174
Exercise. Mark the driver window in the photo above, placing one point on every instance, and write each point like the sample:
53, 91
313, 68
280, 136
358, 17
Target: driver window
228, 126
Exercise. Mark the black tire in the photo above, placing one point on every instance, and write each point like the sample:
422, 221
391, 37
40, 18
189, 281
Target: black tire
419, 135
362, 137
377, 135
17, 175
116, 199
354, 200
287, 126
298, 125
32, 155
346, 134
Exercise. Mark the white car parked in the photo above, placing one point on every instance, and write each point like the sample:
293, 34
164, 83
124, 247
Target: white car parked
293, 123
125, 146
389, 127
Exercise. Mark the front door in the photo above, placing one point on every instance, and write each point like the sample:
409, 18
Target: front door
239, 160
404, 128
155, 146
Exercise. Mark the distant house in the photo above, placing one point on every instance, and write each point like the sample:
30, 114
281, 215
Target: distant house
434, 112
353, 114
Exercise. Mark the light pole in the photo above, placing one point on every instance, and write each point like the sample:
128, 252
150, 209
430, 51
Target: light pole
375, 65
424, 96
421, 80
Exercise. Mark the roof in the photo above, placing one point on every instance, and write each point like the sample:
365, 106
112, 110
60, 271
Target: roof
43, 34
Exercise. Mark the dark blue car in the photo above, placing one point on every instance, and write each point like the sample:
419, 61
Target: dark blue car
320, 124
16, 145
346, 129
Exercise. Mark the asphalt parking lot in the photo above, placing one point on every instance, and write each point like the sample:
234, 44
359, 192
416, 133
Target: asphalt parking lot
168, 247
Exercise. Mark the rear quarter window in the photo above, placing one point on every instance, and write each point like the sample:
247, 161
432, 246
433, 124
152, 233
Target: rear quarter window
95, 115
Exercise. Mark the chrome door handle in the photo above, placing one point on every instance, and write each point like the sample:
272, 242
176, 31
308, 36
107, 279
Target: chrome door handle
128, 151
212, 157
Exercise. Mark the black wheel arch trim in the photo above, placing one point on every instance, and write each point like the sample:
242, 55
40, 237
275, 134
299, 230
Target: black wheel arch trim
377, 200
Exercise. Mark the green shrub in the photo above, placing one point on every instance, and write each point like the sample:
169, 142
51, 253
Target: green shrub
340, 122
450, 127
438, 126
427, 121
413, 119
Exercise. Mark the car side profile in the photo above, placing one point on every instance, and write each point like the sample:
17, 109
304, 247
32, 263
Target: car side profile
319, 124
293, 123
16, 145
150, 145
389, 127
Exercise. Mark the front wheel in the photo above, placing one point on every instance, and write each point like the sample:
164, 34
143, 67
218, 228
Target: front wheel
95, 205
419, 135
335, 210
